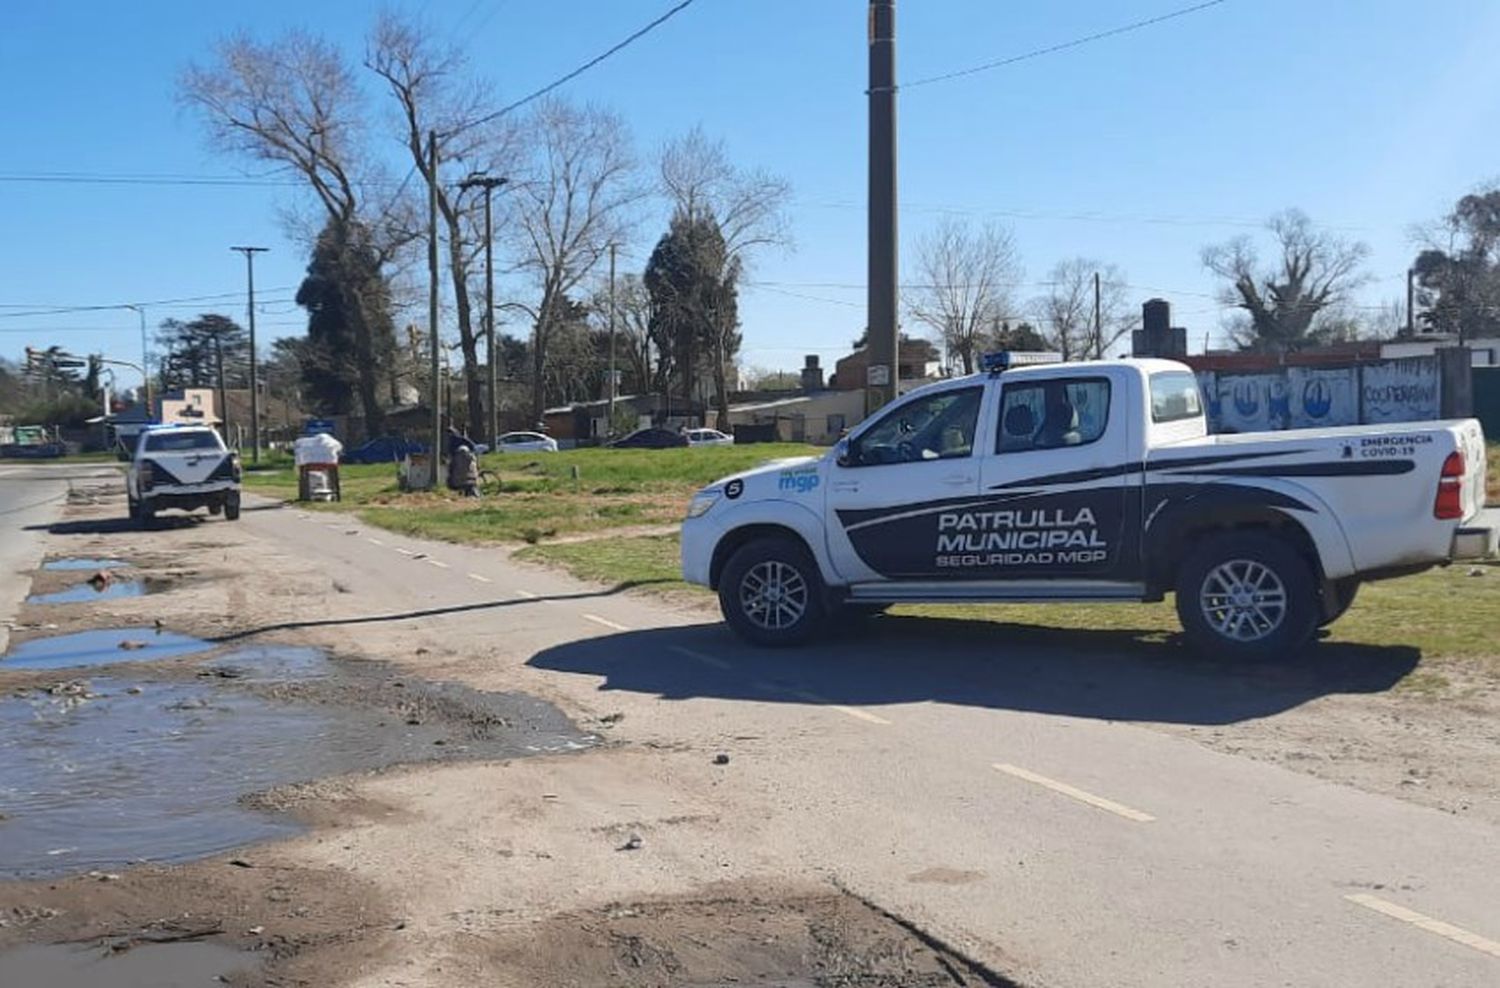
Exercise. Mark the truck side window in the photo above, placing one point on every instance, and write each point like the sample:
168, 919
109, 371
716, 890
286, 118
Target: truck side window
938, 427
1175, 396
1053, 414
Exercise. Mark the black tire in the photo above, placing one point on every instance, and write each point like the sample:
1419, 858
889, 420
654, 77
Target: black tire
1276, 607
1340, 597
145, 514
780, 567
232, 507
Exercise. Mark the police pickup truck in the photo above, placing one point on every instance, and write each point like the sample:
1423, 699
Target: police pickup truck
1047, 481
182, 466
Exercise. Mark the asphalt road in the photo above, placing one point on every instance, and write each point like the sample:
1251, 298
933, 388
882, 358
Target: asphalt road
31, 496
994, 792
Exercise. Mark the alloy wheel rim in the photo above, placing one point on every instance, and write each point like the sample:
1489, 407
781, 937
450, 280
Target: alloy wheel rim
773, 595
1243, 600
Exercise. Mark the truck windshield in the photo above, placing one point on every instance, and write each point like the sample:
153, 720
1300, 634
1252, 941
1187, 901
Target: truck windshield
173, 442
1174, 396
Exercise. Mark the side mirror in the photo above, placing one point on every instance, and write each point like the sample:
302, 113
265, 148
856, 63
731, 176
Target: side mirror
841, 454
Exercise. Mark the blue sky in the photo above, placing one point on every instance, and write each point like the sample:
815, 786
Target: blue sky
1371, 115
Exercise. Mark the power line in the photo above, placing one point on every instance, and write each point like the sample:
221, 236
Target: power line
33, 311
1064, 46
87, 178
635, 36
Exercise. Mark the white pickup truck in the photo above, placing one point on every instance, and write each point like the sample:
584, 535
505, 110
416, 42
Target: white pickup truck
1089, 482
182, 466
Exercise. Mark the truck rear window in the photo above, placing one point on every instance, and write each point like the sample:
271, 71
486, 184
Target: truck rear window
175, 442
1175, 396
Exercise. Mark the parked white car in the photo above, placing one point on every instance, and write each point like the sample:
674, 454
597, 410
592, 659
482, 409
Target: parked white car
183, 467
708, 437
525, 442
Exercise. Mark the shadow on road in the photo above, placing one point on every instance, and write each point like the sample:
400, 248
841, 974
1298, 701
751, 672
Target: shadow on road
428, 612
1105, 675
114, 526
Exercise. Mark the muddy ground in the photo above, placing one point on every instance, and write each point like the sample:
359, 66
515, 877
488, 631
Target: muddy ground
271, 908
476, 861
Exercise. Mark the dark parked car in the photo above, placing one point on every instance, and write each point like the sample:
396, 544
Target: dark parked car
650, 439
386, 449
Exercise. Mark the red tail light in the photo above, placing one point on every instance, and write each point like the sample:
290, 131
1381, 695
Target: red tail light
1449, 503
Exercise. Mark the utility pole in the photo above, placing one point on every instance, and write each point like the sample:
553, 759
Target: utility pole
611, 426
435, 456
488, 184
223, 395
884, 373
1098, 322
1411, 308
250, 253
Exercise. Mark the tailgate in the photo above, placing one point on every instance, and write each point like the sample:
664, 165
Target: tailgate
1476, 466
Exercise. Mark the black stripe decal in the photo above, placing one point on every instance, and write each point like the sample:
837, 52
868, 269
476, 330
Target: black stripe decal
1336, 468
1126, 469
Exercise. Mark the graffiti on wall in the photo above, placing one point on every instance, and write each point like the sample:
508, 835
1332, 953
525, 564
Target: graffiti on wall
1401, 390
1405, 390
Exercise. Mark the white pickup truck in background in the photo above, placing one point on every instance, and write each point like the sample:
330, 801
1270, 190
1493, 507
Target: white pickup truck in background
185, 467
1089, 481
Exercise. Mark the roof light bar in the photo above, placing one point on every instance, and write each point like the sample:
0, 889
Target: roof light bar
1002, 360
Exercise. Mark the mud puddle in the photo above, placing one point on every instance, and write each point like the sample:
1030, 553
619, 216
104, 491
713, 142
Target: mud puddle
83, 563
166, 965
187, 761
91, 591
740, 936
100, 647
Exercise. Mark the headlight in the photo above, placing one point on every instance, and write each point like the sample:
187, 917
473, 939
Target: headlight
701, 503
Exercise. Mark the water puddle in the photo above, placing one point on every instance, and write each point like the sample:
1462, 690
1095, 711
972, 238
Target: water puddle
107, 772
78, 563
270, 663
101, 646
151, 965
91, 590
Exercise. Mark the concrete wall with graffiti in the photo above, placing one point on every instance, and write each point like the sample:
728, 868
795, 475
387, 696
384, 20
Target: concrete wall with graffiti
1405, 390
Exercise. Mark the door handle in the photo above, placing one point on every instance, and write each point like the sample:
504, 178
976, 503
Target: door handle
955, 479
845, 485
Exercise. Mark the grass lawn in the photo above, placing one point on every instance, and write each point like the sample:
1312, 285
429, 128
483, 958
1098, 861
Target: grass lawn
541, 498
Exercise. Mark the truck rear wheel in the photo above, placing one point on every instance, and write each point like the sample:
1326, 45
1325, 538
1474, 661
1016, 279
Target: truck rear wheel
232, 506
771, 592
1248, 595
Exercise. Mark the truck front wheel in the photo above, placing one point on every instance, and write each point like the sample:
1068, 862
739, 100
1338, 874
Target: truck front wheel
1247, 595
771, 592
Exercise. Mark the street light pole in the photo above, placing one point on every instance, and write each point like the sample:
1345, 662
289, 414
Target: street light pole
145, 362
489, 185
250, 253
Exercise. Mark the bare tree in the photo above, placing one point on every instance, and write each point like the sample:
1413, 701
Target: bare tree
432, 93
966, 283
749, 208
1069, 318
294, 102
1291, 304
575, 199
632, 304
